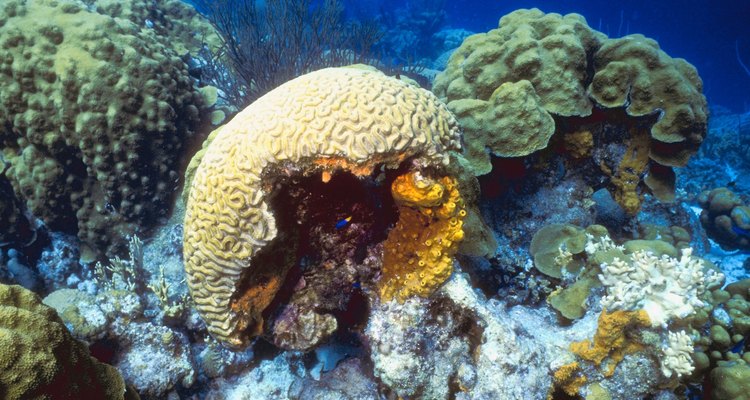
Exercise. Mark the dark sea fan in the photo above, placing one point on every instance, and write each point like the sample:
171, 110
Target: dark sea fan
268, 43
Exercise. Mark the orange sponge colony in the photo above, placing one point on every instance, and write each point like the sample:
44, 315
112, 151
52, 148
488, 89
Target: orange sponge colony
419, 250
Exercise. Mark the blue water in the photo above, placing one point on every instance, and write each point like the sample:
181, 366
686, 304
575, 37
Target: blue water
701, 31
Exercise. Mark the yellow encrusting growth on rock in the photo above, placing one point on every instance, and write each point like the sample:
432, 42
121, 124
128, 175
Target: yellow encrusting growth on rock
626, 178
611, 341
569, 379
419, 250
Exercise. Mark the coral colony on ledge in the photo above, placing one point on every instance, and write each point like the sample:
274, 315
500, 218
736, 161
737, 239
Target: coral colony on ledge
287, 199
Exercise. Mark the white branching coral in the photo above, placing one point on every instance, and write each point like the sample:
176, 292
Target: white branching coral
600, 243
665, 287
564, 257
123, 274
677, 354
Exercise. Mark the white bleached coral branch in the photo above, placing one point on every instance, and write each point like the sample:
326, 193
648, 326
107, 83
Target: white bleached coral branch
677, 354
600, 243
665, 287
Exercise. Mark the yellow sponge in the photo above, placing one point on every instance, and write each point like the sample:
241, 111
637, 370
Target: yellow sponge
419, 250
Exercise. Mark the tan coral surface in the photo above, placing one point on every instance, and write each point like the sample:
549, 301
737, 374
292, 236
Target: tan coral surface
40, 359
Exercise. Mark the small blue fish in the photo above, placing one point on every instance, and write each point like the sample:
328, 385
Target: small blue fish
344, 222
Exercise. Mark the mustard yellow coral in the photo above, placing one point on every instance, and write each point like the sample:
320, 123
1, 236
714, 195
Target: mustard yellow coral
328, 120
634, 163
612, 341
419, 250
569, 379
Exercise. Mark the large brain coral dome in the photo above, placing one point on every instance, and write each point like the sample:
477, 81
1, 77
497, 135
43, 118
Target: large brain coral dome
555, 74
336, 120
95, 113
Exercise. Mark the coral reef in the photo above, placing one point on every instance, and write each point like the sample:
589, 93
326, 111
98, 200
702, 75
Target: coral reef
664, 287
17, 229
675, 235
153, 358
678, 355
59, 264
720, 329
611, 341
554, 246
330, 241
41, 359
554, 74
89, 152
272, 378
650, 297
14, 270
639, 274
514, 110
730, 380
349, 380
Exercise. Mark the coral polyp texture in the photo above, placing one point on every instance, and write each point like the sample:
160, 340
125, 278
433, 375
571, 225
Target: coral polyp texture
39, 358
537, 75
419, 250
173, 21
96, 113
336, 120
726, 218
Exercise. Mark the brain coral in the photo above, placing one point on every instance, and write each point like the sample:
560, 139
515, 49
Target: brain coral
336, 119
39, 359
95, 116
554, 73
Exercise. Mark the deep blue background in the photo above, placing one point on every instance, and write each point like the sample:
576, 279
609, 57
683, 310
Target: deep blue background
701, 31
